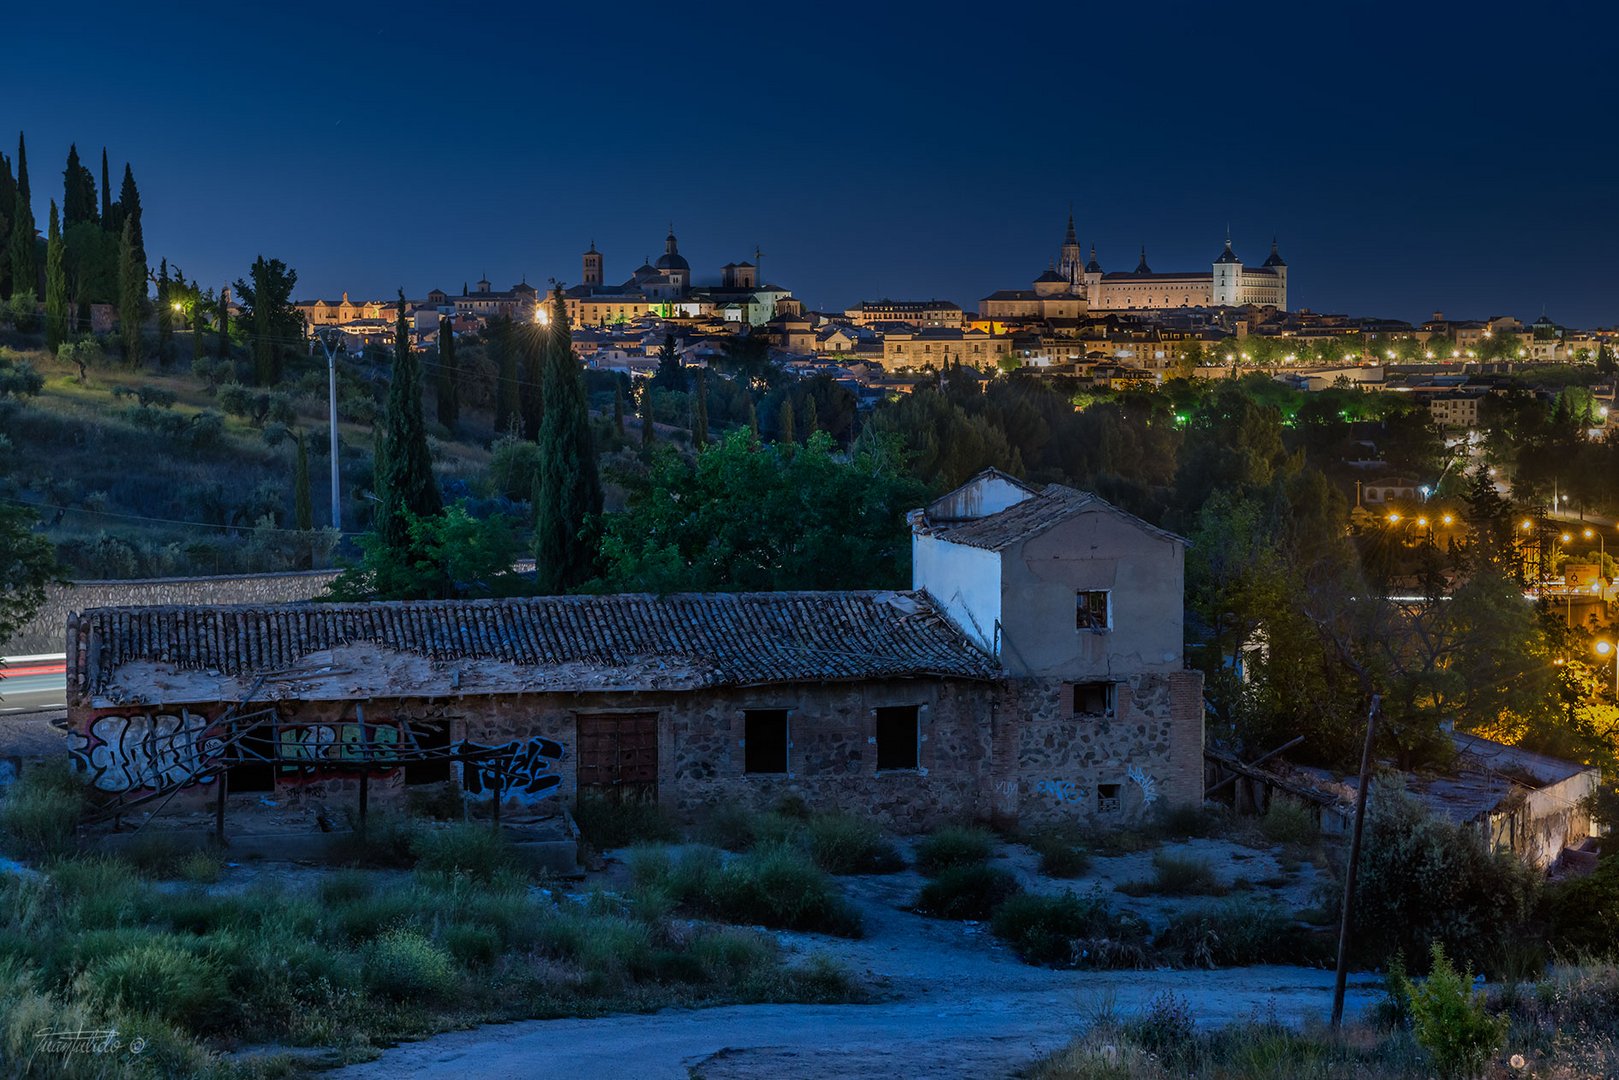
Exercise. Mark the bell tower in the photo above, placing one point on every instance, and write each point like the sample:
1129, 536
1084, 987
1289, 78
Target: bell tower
592, 274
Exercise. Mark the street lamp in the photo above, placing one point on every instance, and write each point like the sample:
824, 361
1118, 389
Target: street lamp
1604, 649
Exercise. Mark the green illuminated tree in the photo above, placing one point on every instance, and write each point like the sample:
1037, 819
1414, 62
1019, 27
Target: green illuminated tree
570, 498
56, 305
405, 484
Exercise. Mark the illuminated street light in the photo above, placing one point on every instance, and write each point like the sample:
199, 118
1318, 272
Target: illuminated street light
1394, 519
1603, 649
1527, 525
1423, 522
1447, 519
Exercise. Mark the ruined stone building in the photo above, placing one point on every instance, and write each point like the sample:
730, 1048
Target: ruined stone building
1033, 672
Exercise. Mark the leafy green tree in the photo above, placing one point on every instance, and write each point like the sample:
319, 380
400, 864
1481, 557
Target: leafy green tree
56, 305
27, 566
131, 295
303, 506
91, 262
671, 373
448, 555
449, 376
405, 484
266, 299
570, 496
748, 516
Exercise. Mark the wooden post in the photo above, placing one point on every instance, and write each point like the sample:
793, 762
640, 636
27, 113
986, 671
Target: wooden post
365, 767
1354, 865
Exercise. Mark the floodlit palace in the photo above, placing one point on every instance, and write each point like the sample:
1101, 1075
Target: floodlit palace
1074, 286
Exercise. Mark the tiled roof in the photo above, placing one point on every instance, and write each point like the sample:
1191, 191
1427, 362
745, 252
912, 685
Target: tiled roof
1029, 518
724, 639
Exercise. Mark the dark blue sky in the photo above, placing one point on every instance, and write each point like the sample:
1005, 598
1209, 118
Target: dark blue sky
1409, 158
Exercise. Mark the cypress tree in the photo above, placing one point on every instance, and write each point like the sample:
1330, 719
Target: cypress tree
303, 507
131, 295
165, 317
107, 213
224, 323
507, 407
699, 423
56, 308
449, 376
22, 170
812, 419
8, 199
24, 270
405, 480
647, 427
785, 435
752, 415
78, 192
535, 340
618, 409
129, 208
570, 497
198, 321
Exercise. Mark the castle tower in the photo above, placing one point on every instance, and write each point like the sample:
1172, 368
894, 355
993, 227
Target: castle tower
593, 267
1227, 278
1091, 276
1274, 262
1069, 264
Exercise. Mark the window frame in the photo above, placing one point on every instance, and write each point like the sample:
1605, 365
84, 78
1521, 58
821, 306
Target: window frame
1110, 699
877, 716
1081, 607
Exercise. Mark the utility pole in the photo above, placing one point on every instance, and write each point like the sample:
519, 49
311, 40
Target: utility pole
1354, 864
328, 344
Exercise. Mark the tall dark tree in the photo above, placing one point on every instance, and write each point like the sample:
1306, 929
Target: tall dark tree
222, 320
108, 214
165, 317
24, 267
405, 484
303, 505
55, 285
199, 322
785, 423
618, 408
56, 305
570, 497
648, 428
508, 406
699, 419
78, 192
266, 297
131, 295
449, 376
752, 416
129, 209
532, 341
8, 202
22, 170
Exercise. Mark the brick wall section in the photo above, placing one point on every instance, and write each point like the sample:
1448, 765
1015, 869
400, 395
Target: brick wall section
1011, 751
46, 632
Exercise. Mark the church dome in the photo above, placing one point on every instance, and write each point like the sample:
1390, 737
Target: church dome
673, 260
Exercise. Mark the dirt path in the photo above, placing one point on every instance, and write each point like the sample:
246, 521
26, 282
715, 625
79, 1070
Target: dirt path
964, 1007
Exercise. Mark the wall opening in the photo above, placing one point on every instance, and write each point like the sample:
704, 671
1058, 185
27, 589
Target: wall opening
255, 772
432, 737
899, 737
1092, 610
764, 741
1107, 798
1093, 699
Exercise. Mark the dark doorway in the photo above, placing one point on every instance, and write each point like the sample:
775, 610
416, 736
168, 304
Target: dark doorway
764, 741
898, 737
431, 737
251, 757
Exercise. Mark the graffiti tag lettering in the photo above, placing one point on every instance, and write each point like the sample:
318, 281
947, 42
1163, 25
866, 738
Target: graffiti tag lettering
520, 770
126, 753
1063, 790
1147, 784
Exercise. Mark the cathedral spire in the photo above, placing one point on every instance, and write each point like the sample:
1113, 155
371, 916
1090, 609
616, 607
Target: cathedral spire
1069, 239
1142, 267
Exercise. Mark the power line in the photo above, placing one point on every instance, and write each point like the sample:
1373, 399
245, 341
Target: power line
164, 521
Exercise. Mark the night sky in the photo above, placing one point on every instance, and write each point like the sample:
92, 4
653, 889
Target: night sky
1409, 158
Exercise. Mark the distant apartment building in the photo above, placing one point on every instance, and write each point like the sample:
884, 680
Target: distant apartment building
938, 348
1457, 409
921, 314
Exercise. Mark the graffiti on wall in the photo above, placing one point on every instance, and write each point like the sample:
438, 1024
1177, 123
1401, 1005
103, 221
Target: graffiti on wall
336, 744
1147, 784
1063, 790
519, 769
126, 753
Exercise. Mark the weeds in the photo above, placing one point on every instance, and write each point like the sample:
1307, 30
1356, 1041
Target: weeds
1288, 821
39, 814
777, 886
1061, 851
1238, 931
844, 844
1071, 931
609, 824
966, 891
953, 846
1177, 875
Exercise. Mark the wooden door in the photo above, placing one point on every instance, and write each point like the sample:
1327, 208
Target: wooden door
618, 755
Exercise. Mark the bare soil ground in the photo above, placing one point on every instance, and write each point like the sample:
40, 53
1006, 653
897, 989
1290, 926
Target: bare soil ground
955, 1002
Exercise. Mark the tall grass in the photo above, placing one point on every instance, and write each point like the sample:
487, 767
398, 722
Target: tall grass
39, 815
953, 846
1177, 875
776, 886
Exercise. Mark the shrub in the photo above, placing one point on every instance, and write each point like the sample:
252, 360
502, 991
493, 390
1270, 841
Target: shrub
1237, 931
1288, 821
1177, 875
1166, 1026
953, 846
473, 850
844, 844
40, 813
388, 842
1450, 1020
155, 853
163, 979
614, 823
1582, 913
1060, 851
966, 891
1070, 930
406, 966
1424, 880
1184, 821
775, 886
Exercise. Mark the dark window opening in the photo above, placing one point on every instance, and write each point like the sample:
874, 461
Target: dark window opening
431, 738
1107, 798
1093, 699
255, 772
898, 736
764, 741
1090, 610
